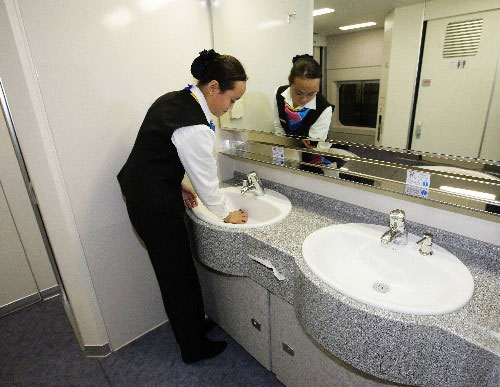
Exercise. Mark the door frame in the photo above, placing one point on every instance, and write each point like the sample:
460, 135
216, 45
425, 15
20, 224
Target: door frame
59, 288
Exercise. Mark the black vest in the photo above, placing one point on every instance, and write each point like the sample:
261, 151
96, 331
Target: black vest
152, 175
309, 119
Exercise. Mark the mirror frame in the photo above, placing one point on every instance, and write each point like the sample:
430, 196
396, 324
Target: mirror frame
256, 146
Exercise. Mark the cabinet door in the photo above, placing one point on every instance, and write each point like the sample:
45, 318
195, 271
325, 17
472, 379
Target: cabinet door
17, 285
240, 307
297, 360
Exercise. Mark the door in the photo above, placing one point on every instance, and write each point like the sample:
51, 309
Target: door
456, 80
26, 271
17, 284
490, 148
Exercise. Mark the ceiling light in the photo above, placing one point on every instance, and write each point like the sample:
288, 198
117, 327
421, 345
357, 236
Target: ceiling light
270, 24
322, 11
152, 5
468, 192
353, 26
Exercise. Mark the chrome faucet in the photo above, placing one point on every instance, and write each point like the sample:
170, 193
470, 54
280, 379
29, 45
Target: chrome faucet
425, 244
397, 233
252, 182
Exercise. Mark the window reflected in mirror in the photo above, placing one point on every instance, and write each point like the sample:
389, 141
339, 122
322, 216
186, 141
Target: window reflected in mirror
358, 103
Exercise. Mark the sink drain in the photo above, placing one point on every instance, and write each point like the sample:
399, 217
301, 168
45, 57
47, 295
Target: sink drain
381, 288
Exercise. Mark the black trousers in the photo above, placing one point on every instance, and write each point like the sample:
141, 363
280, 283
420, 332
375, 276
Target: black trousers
167, 241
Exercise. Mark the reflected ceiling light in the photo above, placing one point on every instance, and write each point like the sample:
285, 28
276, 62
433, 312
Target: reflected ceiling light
118, 18
322, 11
152, 5
270, 24
468, 192
361, 25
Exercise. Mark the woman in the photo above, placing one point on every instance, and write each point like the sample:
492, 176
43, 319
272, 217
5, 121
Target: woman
177, 136
301, 111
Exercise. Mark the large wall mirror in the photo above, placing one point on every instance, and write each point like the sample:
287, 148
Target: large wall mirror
418, 88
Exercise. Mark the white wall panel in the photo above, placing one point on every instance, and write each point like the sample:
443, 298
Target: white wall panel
100, 66
126, 285
356, 49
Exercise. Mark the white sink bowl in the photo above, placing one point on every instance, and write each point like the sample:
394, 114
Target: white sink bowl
351, 259
262, 210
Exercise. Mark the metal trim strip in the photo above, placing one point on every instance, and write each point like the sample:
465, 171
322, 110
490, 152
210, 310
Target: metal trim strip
97, 350
19, 304
50, 292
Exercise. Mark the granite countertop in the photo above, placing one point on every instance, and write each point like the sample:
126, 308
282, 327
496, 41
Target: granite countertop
476, 326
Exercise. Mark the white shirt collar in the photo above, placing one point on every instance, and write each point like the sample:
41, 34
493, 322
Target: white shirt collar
203, 102
288, 98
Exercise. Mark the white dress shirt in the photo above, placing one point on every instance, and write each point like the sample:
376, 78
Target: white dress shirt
318, 131
195, 149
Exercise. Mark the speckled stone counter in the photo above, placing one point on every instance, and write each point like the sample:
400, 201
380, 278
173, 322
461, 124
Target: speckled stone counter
456, 349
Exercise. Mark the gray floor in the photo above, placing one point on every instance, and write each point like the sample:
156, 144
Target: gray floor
38, 347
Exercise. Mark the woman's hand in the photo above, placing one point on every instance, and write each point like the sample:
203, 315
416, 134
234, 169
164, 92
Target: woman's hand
236, 217
307, 144
188, 196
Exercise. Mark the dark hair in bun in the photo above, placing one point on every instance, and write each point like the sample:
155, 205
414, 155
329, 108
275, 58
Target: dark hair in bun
303, 56
201, 63
304, 66
225, 69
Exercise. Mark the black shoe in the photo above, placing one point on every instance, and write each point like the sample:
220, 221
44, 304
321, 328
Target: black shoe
210, 350
208, 324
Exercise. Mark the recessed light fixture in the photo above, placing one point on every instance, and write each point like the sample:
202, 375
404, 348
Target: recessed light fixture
322, 11
468, 192
353, 26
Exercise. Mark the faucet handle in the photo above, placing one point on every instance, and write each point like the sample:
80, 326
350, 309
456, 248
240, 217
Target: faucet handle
425, 244
397, 220
254, 182
244, 183
253, 178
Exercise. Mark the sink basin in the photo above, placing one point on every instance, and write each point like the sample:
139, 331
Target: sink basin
262, 210
351, 259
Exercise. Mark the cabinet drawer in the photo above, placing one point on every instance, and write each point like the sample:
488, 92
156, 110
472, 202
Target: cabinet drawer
297, 360
240, 307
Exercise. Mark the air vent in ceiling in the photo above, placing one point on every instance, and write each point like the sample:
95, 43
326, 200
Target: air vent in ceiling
462, 38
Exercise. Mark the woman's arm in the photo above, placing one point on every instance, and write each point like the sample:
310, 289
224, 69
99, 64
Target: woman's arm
195, 149
319, 130
278, 129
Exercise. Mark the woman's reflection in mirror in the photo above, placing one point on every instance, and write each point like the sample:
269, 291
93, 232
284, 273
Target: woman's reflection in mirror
301, 111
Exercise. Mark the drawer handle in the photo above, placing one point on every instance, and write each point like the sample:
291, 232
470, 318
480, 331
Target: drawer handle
256, 324
288, 349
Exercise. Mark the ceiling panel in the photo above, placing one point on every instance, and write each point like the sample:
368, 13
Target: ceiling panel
354, 12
